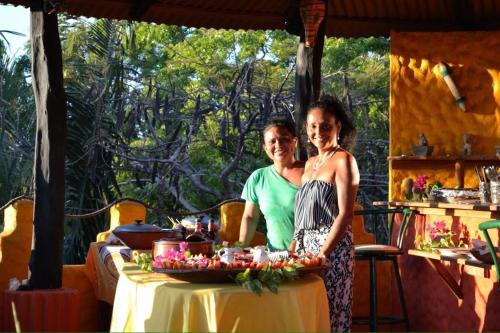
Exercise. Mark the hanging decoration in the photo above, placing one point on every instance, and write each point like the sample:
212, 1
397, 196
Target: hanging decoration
451, 85
312, 13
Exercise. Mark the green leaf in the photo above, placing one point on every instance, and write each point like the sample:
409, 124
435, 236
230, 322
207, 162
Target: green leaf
290, 273
239, 244
253, 285
272, 286
243, 276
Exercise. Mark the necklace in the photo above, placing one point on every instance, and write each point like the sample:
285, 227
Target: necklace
320, 162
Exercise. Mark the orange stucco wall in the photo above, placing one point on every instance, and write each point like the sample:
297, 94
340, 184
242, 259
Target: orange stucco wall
420, 101
432, 307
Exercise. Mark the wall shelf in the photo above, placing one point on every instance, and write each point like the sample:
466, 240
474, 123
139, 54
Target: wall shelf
458, 160
436, 260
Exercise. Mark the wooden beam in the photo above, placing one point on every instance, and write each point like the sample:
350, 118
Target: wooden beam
139, 8
465, 14
307, 84
47, 77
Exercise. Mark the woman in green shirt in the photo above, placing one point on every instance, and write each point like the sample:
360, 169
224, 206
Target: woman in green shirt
270, 191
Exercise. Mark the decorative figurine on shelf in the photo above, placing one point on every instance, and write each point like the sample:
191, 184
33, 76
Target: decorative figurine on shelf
407, 188
422, 140
467, 148
423, 148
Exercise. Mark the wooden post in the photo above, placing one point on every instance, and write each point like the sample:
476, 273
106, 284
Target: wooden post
307, 81
47, 248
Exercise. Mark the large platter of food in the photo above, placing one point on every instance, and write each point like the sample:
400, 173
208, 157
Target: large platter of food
228, 265
217, 272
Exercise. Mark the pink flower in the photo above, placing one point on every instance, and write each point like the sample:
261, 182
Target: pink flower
420, 182
183, 246
440, 225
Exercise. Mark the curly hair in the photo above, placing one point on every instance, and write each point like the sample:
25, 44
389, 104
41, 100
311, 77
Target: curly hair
333, 106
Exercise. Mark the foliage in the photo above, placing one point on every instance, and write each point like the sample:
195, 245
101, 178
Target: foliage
171, 115
267, 277
440, 236
143, 259
17, 124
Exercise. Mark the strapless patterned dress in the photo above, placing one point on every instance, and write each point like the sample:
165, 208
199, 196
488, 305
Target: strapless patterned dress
316, 208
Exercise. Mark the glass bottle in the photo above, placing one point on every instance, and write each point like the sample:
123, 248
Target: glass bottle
197, 235
212, 231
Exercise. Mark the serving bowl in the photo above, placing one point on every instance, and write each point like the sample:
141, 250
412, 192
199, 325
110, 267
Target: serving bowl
141, 236
202, 247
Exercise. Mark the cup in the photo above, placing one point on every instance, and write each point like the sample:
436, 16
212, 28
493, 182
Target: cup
495, 192
484, 192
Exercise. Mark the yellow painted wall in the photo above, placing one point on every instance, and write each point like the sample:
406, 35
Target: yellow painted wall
420, 101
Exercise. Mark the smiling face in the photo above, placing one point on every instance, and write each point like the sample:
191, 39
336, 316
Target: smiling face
322, 129
280, 145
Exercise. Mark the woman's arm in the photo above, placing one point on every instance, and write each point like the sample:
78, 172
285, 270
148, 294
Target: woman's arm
347, 182
249, 222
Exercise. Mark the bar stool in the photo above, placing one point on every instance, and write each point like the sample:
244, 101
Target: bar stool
380, 252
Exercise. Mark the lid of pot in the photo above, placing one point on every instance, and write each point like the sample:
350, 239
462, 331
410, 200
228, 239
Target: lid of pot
137, 227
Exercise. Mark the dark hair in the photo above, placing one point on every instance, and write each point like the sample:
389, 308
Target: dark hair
281, 122
333, 106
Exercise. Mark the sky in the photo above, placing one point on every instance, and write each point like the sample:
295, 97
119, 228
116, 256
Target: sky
15, 19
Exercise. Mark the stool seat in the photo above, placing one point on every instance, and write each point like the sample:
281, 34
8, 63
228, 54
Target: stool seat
376, 250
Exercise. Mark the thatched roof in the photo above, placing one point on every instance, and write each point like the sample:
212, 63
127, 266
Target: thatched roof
346, 18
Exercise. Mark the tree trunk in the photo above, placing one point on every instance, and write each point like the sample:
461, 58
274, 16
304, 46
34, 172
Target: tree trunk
47, 248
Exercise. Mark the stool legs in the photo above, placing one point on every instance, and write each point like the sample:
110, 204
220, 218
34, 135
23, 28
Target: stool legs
401, 293
373, 294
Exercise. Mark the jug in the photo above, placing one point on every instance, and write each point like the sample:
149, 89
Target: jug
226, 254
260, 254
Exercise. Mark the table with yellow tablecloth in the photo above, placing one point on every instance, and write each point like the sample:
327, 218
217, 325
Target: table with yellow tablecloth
104, 263
153, 302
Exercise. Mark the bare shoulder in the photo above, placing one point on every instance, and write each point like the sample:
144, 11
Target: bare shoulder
310, 162
346, 165
344, 157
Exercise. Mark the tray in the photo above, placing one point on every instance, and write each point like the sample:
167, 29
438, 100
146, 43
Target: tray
223, 275
453, 251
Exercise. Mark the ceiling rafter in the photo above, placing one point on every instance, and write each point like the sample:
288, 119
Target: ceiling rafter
384, 15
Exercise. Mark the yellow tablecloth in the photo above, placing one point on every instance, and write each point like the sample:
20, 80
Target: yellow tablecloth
153, 302
104, 262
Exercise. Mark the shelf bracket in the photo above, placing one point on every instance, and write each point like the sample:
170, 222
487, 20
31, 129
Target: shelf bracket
445, 275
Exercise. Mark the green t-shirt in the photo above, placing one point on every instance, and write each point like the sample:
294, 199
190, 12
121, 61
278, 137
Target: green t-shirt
276, 199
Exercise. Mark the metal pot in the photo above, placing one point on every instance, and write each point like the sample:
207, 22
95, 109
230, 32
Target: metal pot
141, 236
163, 245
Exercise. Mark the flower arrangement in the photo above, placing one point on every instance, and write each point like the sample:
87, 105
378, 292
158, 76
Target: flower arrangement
440, 236
420, 189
